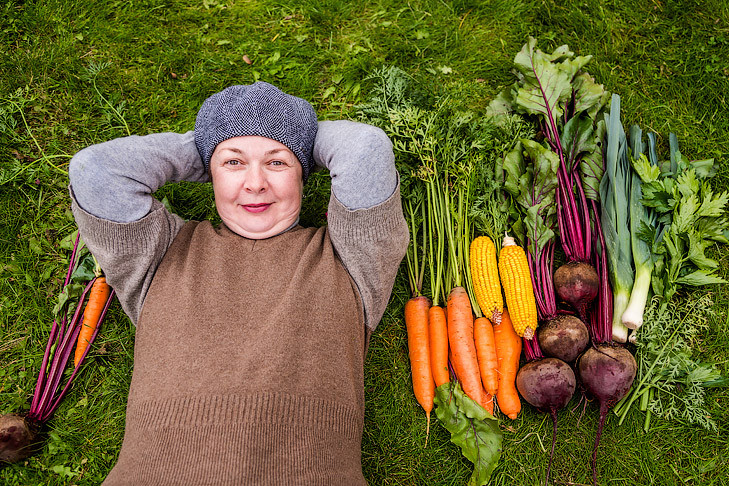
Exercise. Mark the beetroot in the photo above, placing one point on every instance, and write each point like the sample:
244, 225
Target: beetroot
577, 283
607, 372
547, 384
17, 436
563, 337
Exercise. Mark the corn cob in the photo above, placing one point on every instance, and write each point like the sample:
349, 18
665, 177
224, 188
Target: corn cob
485, 276
518, 290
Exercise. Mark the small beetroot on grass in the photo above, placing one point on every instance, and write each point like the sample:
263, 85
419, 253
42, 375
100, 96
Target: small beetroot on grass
18, 433
17, 437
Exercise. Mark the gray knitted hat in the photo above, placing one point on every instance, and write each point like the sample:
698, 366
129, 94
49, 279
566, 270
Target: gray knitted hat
257, 109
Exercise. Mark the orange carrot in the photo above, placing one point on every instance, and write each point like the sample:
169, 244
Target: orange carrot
438, 332
460, 339
483, 334
98, 296
416, 321
508, 352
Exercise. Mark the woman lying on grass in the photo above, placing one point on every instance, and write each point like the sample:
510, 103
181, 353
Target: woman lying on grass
251, 336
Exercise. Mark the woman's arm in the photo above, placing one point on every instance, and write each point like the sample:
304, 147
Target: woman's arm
115, 180
365, 218
126, 229
360, 162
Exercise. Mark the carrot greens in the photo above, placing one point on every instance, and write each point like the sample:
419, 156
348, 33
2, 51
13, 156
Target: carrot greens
671, 382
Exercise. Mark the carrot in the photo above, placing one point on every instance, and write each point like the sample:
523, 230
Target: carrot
460, 339
98, 296
438, 332
483, 334
508, 352
416, 321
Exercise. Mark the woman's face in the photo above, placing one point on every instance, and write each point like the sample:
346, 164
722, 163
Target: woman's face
258, 185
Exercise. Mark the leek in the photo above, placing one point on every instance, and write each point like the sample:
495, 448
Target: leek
615, 214
641, 218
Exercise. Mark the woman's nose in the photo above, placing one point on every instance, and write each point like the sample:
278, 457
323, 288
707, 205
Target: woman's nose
256, 180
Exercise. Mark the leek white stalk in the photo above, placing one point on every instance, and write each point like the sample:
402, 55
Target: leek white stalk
632, 318
621, 297
643, 258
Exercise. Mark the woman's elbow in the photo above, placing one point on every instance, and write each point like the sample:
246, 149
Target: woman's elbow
79, 165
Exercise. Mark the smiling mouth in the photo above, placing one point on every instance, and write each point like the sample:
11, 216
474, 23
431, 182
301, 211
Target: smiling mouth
256, 208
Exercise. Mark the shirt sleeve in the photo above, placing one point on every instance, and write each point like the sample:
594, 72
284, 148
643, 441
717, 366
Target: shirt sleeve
123, 225
360, 161
365, 217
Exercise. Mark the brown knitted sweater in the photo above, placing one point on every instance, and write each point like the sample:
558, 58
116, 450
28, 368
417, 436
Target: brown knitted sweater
249, 354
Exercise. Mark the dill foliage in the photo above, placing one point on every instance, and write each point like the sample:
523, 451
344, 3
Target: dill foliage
671, 382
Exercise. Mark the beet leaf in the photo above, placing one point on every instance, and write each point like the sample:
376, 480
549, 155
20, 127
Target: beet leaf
472, 429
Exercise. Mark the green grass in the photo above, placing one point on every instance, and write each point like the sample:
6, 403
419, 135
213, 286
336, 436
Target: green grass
73, 73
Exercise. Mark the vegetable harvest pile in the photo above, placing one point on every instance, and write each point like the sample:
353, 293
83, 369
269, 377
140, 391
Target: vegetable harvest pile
540, 225
74, 329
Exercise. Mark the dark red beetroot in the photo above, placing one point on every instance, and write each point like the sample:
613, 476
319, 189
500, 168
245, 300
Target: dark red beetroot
577, 283
17, 435
607, 372
563, 337
547, 384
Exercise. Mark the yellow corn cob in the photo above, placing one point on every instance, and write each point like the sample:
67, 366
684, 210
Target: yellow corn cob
485, 277
518, 290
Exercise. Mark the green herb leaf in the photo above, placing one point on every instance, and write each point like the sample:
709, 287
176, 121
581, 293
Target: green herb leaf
667, 367
646, 171
590, 97
66, 298
84, 270
700, 277
577, 139
533, 185
472, 429
704, 168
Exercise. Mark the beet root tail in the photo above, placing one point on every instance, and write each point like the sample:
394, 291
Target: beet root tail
603, 415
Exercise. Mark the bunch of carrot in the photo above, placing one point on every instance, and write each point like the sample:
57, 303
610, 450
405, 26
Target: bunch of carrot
455, 341
482, 355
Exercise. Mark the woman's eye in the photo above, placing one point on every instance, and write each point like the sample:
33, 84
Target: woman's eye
277, 162
232, 162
